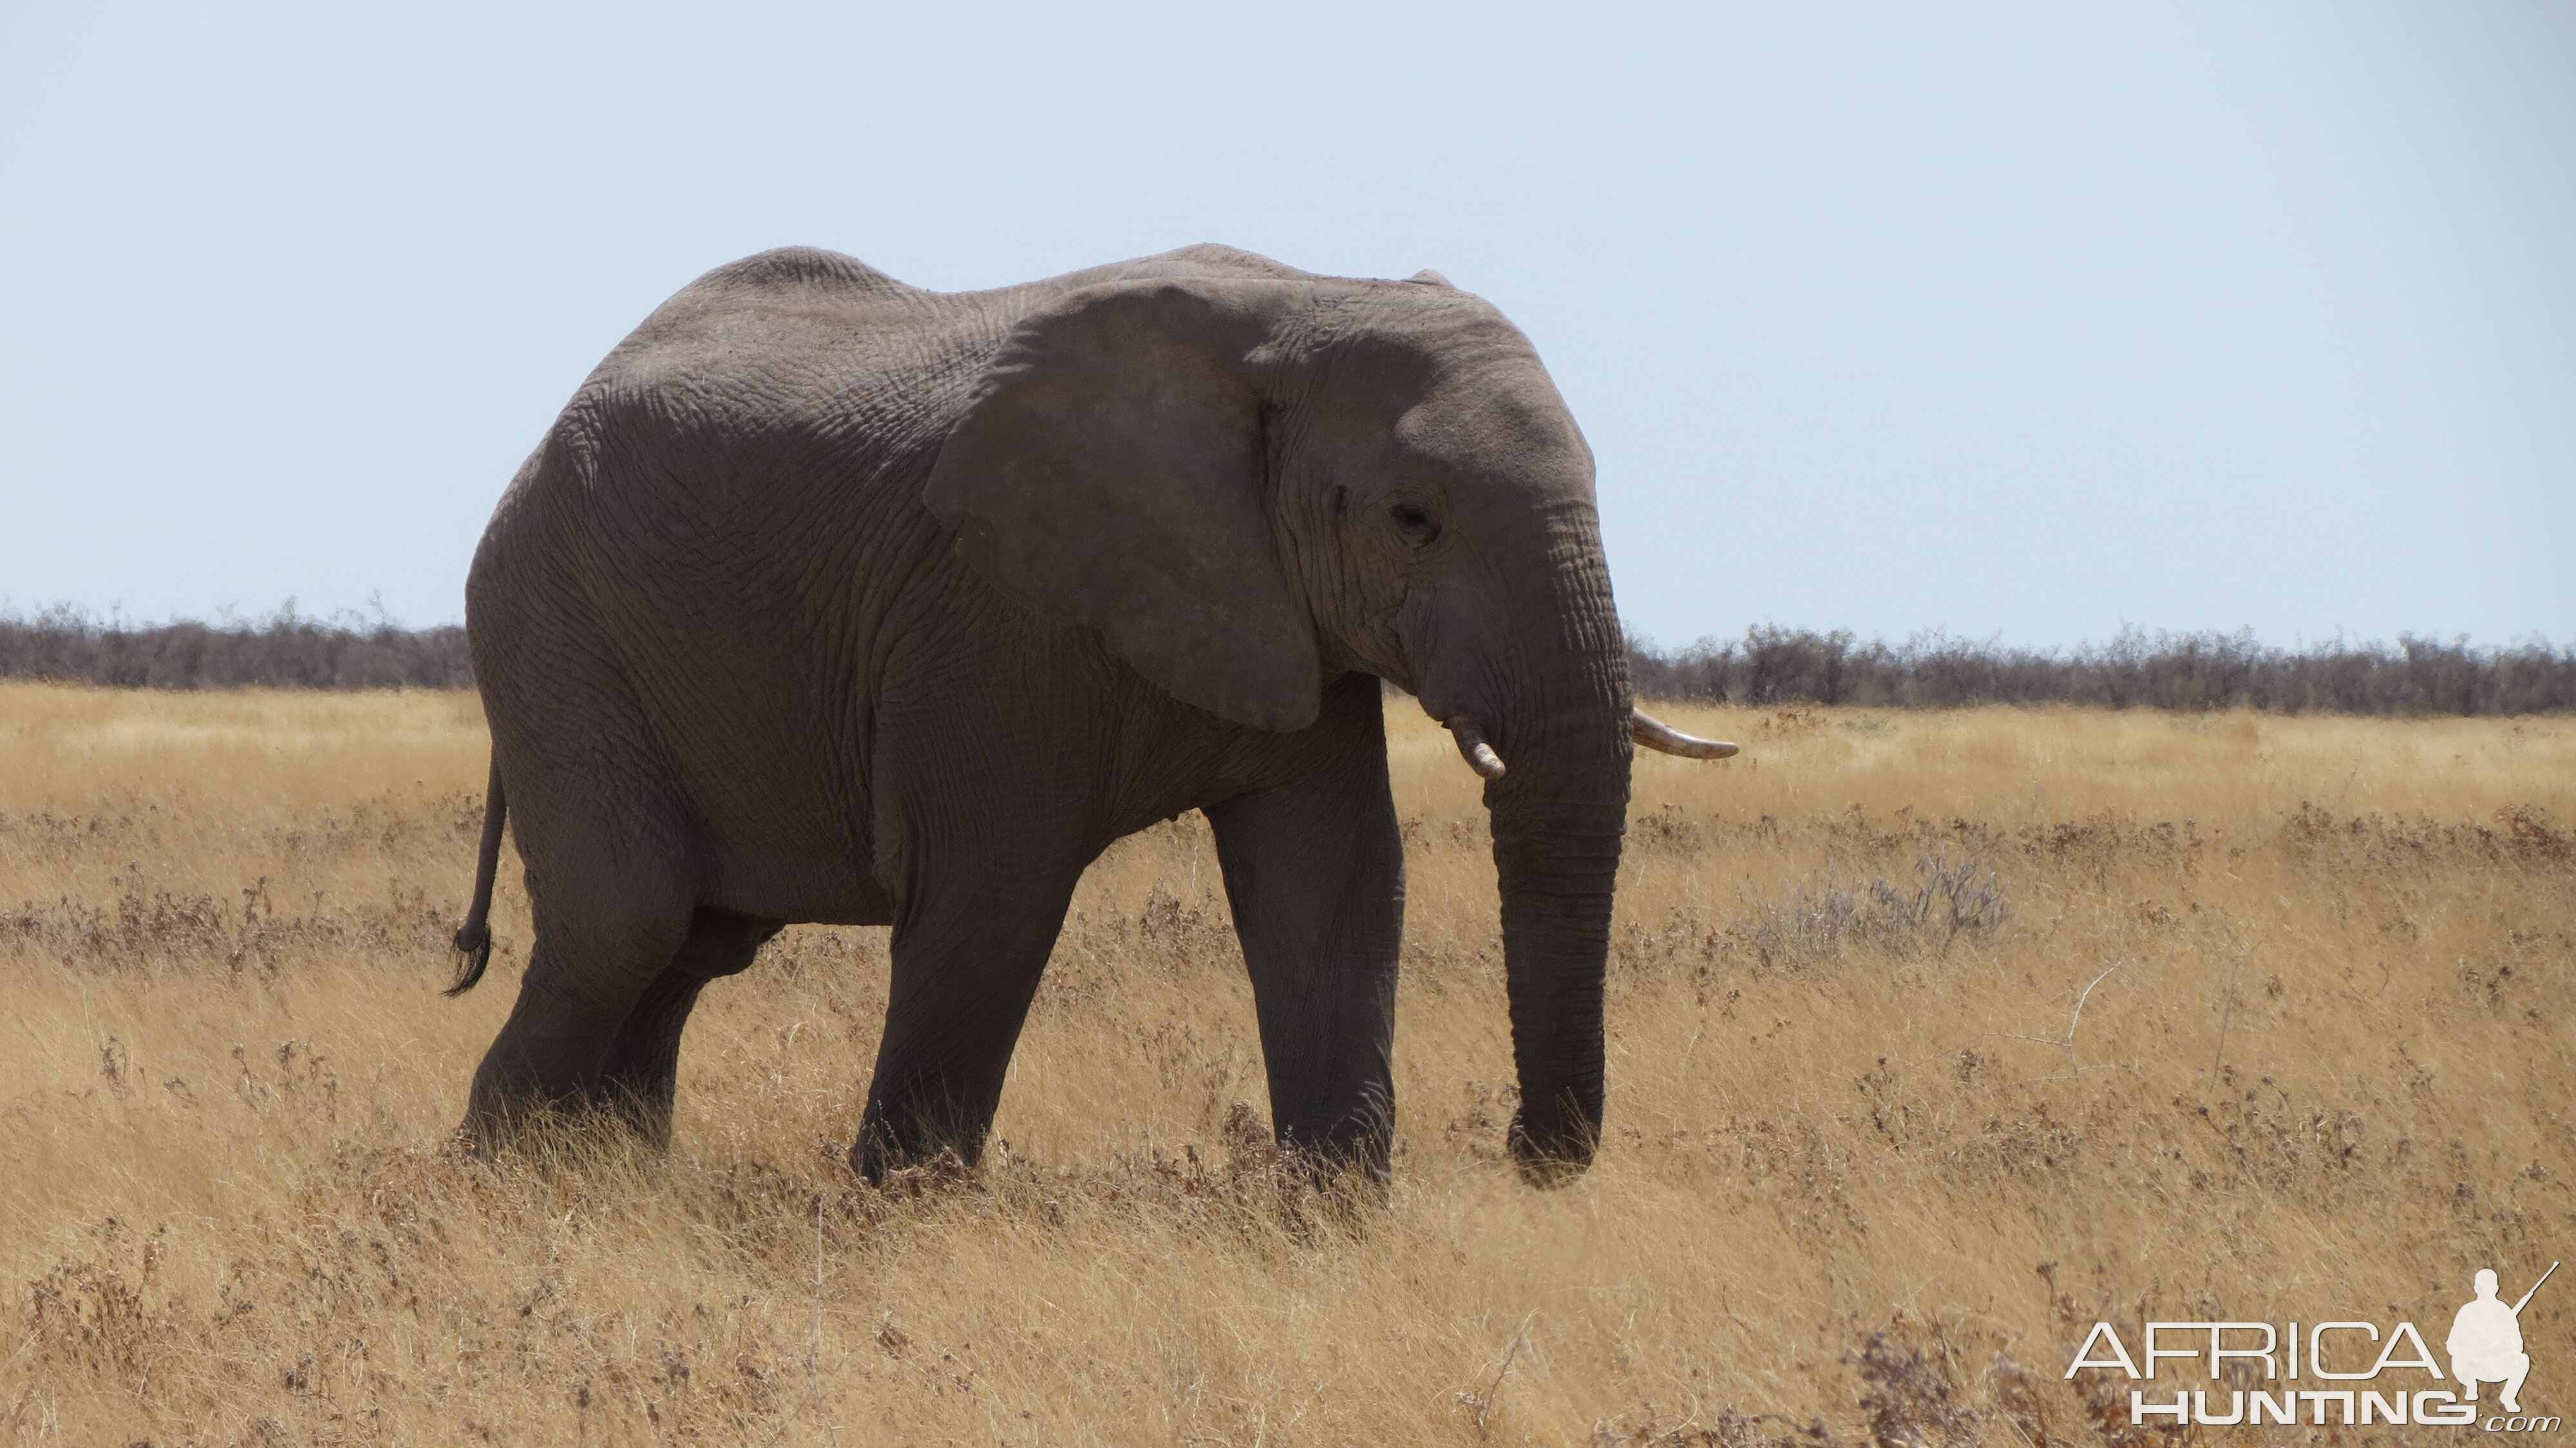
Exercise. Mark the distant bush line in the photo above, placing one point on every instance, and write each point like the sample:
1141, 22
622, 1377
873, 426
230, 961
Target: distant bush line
2196, 671
1767, 666
285, 650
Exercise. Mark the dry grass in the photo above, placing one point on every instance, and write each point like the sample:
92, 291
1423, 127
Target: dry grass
1864, 1169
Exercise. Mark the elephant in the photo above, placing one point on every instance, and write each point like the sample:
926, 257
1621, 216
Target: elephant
833, 599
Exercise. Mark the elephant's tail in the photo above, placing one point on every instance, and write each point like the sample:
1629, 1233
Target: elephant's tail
474, 938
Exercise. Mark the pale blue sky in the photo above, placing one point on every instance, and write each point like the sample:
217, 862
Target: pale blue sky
2025, 319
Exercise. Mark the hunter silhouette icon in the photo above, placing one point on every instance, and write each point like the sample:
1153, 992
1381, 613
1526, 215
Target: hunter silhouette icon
2486, 1341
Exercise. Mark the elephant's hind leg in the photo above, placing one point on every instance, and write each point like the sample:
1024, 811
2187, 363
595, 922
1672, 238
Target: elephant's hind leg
595, 962
640, 1076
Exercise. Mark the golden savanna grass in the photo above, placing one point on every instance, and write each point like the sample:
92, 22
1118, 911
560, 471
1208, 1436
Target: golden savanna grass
1869, 1170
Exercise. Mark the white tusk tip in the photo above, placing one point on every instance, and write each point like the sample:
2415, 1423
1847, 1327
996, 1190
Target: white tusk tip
1657, 735
1472, 747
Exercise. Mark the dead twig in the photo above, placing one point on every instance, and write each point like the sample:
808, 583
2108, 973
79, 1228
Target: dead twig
2074, 1066
1485, 1400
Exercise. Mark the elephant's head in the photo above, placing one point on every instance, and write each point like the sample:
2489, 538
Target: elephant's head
1250, 484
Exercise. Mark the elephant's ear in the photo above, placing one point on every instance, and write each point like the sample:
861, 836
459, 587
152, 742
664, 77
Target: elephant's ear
1111, 471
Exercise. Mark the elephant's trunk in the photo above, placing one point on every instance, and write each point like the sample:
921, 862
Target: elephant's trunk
1559, 864
1559, 812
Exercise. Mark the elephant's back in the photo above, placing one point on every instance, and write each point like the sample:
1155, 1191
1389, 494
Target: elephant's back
790, 268
766, 429
796, 390
796, 336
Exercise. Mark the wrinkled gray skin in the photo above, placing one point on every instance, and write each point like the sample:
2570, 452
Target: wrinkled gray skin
832, 599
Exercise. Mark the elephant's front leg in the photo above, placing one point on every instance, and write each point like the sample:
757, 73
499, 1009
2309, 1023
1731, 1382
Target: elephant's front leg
967, 957
1315, 871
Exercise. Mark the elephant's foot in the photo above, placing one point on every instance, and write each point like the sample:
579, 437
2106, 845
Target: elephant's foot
913, 1150
942, 1171
580, 1131
1358, 1170
1549, 1157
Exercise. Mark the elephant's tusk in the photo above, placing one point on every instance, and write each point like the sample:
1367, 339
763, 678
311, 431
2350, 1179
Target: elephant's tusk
1472, 748
1654, 733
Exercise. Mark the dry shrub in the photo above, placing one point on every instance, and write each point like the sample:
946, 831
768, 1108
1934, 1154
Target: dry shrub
1820, 920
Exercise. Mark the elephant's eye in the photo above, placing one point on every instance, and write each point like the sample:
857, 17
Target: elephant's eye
1415, 524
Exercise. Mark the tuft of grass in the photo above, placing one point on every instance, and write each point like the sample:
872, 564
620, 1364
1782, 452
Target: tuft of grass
2156, 1015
